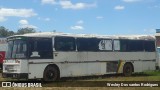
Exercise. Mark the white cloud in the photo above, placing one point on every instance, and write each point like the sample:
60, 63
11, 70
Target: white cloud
130, 1
99, 17
77, 27
44, 19
47, 19
119, 7
156, 6
66, 4
48, 2
80, 22
24, 24
28, 26
2, 19
150, 30
6, 12
56, 9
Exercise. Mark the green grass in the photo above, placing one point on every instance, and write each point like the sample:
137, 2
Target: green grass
145, 76
152, 73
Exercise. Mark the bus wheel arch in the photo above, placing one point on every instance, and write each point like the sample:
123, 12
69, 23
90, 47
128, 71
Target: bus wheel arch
51, 73
128, 69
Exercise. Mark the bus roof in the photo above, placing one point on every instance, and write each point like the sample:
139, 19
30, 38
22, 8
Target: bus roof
53, 34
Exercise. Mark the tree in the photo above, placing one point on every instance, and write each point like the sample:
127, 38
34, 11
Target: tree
10, 33
4, 32
26, 30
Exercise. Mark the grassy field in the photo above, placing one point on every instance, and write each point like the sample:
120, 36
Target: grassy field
146, 76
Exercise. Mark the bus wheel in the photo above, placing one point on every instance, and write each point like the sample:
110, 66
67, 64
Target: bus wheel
51, 73
127, 69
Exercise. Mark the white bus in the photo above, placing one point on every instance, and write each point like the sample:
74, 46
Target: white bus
50, 56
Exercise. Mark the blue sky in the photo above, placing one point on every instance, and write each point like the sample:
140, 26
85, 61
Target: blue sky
109, 17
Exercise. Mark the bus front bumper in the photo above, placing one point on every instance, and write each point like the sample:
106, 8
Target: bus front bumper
15, 75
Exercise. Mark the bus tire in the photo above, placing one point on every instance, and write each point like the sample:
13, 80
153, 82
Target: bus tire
51, 73
127, 69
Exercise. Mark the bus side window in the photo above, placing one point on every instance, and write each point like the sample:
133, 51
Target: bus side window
116, 44
64, 44
40, 48
105, 45
149, 46
124, 45
87, 44
136, 45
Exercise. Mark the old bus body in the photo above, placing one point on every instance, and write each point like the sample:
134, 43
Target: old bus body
50, 56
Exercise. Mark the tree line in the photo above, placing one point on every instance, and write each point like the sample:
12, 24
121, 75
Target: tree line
4, 32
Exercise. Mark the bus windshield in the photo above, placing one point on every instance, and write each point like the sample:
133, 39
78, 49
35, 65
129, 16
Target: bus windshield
16, 49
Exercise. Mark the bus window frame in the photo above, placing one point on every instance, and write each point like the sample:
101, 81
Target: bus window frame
13, 39
87, 50
105, 50
39, 39
114, 45
62, 37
